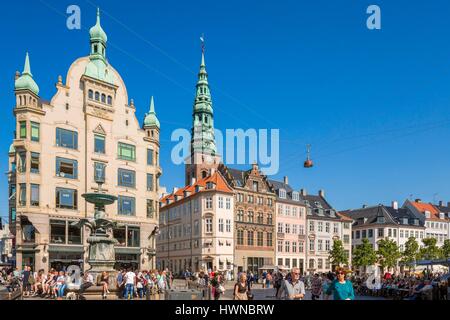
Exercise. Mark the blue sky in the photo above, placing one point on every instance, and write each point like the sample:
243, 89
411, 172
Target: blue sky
373, 104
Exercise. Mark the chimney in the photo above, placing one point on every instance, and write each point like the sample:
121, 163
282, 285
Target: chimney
193, 181
364, 206
174, 190
303, 192
286, 180
395, 205
418, 200
322, 193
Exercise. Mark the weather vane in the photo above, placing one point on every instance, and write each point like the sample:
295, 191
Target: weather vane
202, 39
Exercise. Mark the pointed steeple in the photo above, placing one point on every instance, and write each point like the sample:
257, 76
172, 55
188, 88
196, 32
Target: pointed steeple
150, 118
27, 67
26, 81
203, 140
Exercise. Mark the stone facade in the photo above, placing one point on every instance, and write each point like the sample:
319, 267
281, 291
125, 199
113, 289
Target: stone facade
87, 129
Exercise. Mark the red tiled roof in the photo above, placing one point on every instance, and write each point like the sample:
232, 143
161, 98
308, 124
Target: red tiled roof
422, 207
219, 185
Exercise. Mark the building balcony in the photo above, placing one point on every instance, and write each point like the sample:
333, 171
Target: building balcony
20, 144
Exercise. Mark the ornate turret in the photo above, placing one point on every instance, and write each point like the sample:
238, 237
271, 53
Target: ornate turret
151, 124
26, 81
150, 118
98, 67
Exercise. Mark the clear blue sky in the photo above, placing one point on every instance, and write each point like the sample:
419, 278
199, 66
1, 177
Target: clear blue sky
374, 104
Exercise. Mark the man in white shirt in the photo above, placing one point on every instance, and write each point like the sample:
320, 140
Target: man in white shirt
130, 282
88, 281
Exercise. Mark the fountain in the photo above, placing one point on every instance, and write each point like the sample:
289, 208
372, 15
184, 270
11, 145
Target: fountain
101, 240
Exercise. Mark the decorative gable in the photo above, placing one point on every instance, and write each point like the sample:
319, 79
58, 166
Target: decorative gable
100, 130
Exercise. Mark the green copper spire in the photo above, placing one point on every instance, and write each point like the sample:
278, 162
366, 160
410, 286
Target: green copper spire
203, 139
26, 81
98, 67
150, 118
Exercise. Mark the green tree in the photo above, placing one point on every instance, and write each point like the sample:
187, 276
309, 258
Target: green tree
411, 251
430, 250
445, 250
364, 255
337, 254
388, 253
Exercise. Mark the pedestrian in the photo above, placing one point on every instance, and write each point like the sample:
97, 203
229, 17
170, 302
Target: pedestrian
217, 284
104, 282
316, 287
341, 288
26, 283
240, 288
88, 281
292, 288
130, 282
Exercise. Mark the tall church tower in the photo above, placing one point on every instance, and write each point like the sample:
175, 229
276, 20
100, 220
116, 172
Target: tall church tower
203, 157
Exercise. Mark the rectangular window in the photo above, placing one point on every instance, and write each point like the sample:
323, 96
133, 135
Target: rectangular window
221, 225
127, 178
99, 144
228, 225
22, 162
294, 229
34, 162
380, 232
346, 239
220, 202
319, 226
240, 237
294, 247
23, 129
250, 238
13, 214
269, 239
150, 182
260, 238
301, 247
336, 228
58, 231
74, 236
280, 245
66, 168
127, 206
358, 234
35, 131
34, 201
126, 152
311, 226
320, 263
287, 246
370, 233
209, 225
364, 234
255, 186
196, 228
133, 237
150, 209
327, 227
99, 172
66, 198
23, 194
311, 245
209, 203
120, 234
319, 245
228, 203
327, 245
66, 138
150, 158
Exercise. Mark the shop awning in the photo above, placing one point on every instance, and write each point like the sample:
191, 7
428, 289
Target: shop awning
65, 249
128, 250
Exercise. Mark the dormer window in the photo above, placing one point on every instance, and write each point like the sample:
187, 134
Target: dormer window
255, 186
210, 185
282, 193
295, 196
405, 220
381, 219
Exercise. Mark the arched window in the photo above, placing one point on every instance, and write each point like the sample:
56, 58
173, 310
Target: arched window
95, 48
91, 94
109, 100
103, 98
97, 96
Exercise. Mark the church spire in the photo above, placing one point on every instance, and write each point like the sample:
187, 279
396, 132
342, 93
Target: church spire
98, 39
150, 118
203, 140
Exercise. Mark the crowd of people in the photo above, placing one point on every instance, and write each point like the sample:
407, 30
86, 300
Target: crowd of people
406, 286
292, 285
